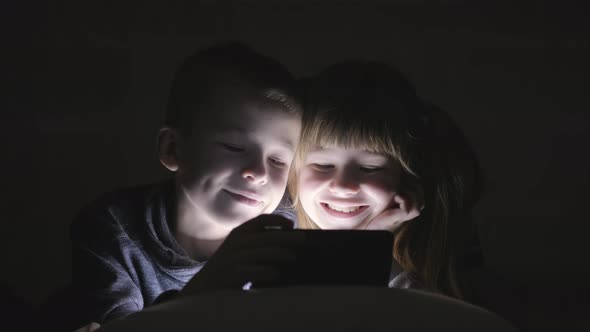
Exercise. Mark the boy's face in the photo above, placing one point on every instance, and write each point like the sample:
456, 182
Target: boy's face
346, 188
235, 164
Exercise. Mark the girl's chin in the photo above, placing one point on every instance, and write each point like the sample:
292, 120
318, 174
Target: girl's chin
332, 224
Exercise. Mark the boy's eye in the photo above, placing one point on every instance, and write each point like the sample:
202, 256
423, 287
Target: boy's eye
232, 147
371, 169
277, 162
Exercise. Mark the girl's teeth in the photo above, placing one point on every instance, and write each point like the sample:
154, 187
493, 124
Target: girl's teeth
343, 209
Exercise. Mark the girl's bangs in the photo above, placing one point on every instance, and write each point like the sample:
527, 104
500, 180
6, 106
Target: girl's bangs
339, 132
355, 132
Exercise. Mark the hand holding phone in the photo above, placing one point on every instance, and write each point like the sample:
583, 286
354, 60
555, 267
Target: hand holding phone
250, 253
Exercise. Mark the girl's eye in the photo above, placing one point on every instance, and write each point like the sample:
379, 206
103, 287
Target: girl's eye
277, 162
323, 167
232, 147
371, 169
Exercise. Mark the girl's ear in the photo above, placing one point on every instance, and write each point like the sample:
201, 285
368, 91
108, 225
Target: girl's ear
168, 143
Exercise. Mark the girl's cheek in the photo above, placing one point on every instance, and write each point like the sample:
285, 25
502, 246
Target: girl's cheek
383, 184
310, 180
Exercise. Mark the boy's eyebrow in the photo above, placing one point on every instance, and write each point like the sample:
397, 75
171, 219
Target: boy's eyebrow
229, 129
242, 131
287, 145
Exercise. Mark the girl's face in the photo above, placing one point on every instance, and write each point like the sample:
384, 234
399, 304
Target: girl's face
346, 188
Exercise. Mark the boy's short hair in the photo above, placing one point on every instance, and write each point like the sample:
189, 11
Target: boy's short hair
208, 69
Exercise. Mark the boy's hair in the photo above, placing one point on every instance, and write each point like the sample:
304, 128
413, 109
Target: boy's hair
222, 65
372, 106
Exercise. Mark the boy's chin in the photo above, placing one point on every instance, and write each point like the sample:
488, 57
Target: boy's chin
232, 219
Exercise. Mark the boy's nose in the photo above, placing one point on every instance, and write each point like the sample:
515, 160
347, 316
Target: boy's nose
255, 172
344, 184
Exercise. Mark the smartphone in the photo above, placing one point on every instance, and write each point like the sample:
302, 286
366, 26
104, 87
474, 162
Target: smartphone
340, 257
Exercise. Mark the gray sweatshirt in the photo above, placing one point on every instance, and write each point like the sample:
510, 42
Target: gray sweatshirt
125, 256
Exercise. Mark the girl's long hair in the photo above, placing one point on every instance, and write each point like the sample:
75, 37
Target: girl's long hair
371, 106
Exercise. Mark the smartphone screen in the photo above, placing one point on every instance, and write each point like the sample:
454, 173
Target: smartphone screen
340, 257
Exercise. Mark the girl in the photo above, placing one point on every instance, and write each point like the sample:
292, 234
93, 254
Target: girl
372, 155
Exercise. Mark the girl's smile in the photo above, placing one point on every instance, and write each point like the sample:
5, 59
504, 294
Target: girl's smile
344, 211
343, 188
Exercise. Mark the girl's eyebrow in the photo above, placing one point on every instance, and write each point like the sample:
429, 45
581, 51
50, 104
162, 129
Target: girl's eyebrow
316, 148
375, 156
317, 151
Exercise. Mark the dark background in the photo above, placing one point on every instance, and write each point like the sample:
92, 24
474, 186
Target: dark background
84, 87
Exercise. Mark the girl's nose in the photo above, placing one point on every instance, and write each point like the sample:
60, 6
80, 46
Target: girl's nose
344, 184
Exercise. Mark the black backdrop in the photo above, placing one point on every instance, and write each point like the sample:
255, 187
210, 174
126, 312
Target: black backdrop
85, 85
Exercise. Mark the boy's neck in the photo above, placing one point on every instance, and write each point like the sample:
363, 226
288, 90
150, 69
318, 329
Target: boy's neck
198, 235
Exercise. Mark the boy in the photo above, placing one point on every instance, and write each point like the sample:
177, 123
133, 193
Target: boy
232, 125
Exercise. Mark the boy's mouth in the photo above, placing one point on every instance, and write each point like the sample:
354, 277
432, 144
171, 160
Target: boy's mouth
343, 211
245, 198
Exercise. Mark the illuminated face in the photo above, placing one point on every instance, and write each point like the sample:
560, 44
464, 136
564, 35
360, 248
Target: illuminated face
235, 164
346, 188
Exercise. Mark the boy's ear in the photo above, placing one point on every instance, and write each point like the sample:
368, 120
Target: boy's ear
168, 142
